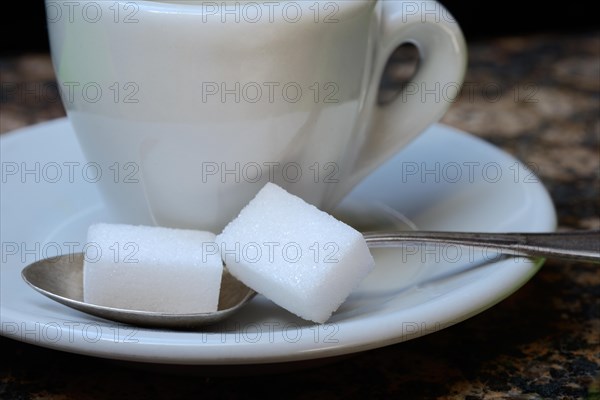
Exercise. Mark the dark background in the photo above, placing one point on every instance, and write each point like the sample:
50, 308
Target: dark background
23, 22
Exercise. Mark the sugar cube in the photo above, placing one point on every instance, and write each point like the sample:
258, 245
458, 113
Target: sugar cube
151, 269
300, 257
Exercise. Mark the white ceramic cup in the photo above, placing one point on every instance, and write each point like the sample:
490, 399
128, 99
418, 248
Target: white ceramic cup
188, 108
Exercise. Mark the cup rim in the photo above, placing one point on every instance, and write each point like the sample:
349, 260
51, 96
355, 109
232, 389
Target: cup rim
200, 6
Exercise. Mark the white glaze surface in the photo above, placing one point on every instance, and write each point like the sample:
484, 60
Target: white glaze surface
39, 218
184, 93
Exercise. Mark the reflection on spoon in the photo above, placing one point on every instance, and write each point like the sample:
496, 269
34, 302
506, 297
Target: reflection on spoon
61, 278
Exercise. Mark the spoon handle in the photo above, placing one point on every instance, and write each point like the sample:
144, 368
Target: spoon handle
580, 246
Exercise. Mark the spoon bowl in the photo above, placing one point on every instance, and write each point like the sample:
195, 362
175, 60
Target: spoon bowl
61, 278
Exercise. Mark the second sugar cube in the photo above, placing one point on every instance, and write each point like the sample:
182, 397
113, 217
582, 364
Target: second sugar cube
151, 269
301, 258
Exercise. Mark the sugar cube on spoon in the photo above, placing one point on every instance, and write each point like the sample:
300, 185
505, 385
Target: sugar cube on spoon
298, 256
151, 269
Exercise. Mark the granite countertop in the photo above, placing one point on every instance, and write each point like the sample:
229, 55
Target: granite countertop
538, 98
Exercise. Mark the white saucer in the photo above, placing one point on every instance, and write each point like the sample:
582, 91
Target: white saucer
41, 215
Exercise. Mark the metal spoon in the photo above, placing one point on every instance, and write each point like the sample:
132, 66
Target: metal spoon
61, 278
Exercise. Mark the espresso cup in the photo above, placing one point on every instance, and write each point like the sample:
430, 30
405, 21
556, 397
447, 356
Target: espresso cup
190, 107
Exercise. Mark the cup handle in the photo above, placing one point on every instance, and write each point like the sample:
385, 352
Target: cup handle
442, 48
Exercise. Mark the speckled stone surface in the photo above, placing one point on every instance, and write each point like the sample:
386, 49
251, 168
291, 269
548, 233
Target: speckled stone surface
537, 97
